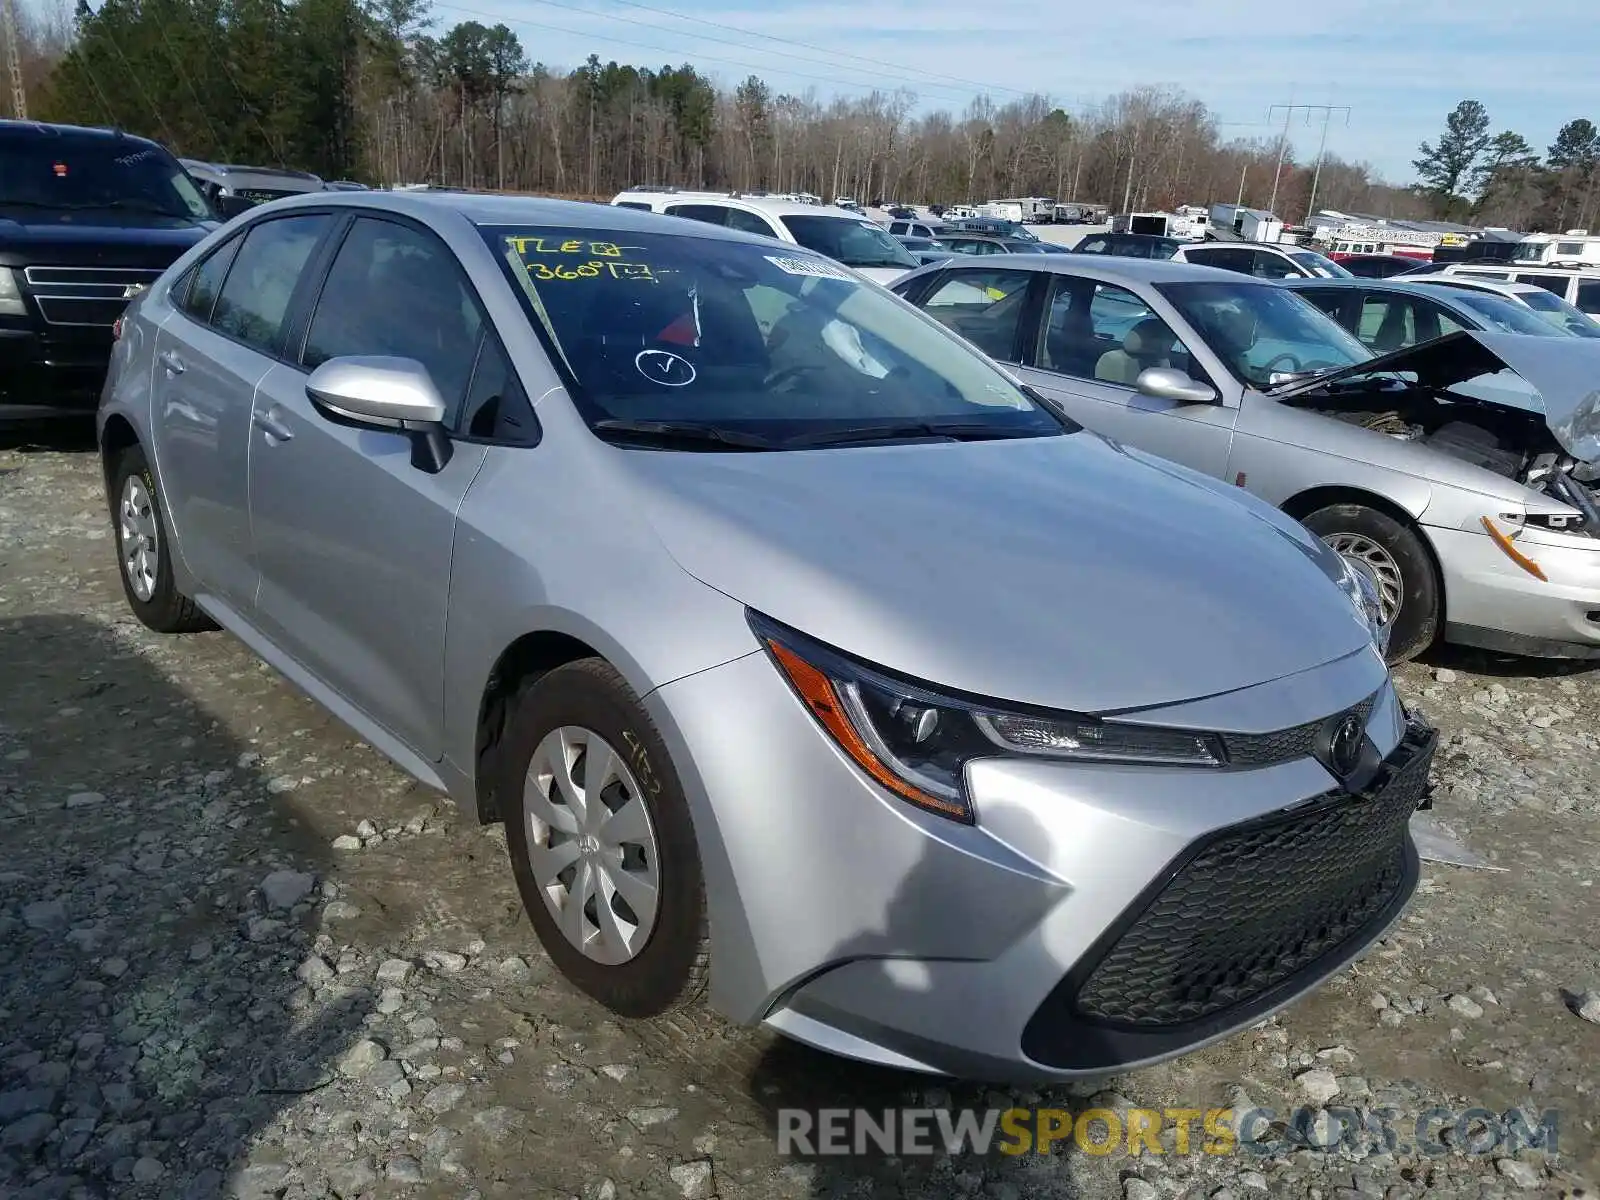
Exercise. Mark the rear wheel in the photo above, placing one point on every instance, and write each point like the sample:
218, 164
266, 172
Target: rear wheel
144, 550
601, 841
1394, 558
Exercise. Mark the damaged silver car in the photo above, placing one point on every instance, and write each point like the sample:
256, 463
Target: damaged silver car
1460, 475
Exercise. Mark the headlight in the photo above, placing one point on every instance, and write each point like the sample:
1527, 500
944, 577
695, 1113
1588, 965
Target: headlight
1363, 593
916, 742
10, 296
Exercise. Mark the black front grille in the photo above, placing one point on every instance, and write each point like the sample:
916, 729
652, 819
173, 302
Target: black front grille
1257, 904
1284, 745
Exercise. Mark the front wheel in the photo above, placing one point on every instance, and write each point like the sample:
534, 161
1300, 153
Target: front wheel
1393, 555
601, 841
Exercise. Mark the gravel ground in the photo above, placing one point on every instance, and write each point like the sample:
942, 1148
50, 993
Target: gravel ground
242, 955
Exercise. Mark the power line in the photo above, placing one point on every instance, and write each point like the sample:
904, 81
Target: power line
605, 37
875, 63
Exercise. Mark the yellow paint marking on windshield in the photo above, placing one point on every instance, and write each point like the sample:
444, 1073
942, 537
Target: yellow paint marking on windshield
543, 245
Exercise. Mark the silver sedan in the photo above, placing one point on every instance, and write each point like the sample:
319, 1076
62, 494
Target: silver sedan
807, 658
1459, 474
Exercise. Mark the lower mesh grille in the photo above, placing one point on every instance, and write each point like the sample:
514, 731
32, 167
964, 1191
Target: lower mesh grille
1261, 902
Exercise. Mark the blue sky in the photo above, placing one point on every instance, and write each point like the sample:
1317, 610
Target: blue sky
1400, 65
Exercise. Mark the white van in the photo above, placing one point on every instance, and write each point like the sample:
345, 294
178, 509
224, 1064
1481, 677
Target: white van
1578, 286
1575, 248
844, 236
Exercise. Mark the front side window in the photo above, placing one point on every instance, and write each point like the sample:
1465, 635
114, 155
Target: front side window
983, 306
255, 297
1319, 265
1259, 330
745, 345
1134, 337
64, 172
847, 240
395, 291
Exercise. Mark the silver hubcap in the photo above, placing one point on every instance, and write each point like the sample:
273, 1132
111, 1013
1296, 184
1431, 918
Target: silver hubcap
591, 846
141, 545
1366, 555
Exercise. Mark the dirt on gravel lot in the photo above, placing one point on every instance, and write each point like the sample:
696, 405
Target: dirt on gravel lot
243, 955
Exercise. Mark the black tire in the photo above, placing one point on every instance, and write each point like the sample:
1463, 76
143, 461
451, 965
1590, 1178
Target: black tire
1416, 622
167, 610
671, 970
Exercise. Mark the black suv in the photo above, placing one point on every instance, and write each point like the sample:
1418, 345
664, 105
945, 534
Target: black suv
88, 218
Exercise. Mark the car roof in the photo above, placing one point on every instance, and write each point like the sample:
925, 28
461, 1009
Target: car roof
38, 130
768, 204
1406, 287
1503, 286
1108, 268
484, 209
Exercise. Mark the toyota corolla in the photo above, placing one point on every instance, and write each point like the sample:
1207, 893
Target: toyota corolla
810, 660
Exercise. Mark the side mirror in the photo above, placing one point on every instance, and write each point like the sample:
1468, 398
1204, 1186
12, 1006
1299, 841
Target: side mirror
1168, 383
386, 393
229, 207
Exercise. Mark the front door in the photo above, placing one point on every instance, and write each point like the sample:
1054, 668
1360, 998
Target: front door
353, 542
1095, 340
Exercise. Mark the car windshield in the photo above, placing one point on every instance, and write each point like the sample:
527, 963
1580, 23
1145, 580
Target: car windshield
1556, 311
1508, 317
707, 343
855, 243
1320, 264
64, 172
1260, 330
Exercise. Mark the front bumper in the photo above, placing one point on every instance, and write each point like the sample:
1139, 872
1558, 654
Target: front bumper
1096, 917
51, 374
1492, 602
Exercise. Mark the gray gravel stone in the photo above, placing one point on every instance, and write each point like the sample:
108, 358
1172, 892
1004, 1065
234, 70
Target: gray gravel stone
1521, 1174
1318, 1084
1464, 1006
27, 1134
394, 972
693, 1179
444, 1097
404, 1170
349, 1180
285, 889
358, 1061
47, 916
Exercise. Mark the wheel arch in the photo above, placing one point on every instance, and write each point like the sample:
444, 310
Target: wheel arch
1302, 504
116, 436
529, 657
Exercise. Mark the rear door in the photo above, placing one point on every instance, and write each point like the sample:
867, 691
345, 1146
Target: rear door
209, 359
353, 542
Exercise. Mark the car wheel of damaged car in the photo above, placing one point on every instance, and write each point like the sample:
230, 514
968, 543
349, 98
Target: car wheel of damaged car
601, 842
1393, 557
142, 548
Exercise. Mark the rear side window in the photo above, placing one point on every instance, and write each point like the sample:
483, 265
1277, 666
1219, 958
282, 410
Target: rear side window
393, 290
985, 307
711, 214
1589, 297
748, 222
1550, 283
205, 281
1227, 260
633, 204
255, 298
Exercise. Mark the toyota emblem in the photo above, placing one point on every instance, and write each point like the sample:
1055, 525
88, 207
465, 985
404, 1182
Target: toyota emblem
132, 290
1341, 744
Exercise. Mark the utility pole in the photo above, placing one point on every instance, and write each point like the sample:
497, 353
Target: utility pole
1322, 146
8, 26
1327, 110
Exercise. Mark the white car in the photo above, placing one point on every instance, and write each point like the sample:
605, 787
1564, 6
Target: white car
844, 236
1578, 286
1262, 260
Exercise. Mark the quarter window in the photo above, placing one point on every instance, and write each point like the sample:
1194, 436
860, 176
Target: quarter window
398, 292
255, 297
205, 281
497, 408
985, 307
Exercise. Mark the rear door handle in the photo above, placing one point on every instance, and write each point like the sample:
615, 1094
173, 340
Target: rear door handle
171, 362
266, 420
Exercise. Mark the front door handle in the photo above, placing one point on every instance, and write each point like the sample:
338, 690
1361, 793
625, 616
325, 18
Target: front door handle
172, 363
266, 420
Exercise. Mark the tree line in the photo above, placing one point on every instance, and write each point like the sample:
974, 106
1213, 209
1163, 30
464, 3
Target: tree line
1471, 173
375, 90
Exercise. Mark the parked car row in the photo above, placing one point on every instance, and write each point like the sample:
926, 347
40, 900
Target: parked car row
1064, 583
806, 561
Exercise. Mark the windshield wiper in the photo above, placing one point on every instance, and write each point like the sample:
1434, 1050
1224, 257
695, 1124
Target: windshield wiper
668, 432
959, 431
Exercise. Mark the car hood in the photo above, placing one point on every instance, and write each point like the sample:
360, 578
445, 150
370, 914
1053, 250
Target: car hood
1562, 378
1067, 572
109, 238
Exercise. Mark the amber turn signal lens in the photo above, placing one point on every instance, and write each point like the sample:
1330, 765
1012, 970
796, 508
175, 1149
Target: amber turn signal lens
1511, 552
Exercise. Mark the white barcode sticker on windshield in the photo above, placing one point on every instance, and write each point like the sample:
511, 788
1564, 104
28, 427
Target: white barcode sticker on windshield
813, 268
